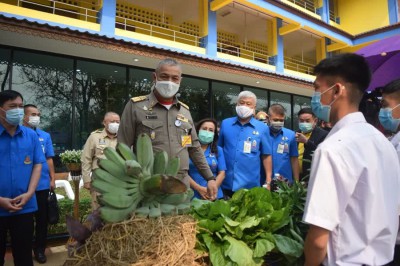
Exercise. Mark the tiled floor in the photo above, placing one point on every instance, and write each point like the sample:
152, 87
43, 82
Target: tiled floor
56, 256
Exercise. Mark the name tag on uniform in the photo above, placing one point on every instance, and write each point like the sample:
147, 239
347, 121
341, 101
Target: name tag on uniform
247, 146
280, 149
186, 140
182, 118
102, 142
151, 116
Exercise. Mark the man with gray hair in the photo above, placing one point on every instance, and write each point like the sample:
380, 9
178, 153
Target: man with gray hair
94, 147
245, 142
168, 122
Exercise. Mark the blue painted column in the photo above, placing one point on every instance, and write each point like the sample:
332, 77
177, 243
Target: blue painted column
210, 40
279, 58
328, 42
393, 11
107, 15
323, 11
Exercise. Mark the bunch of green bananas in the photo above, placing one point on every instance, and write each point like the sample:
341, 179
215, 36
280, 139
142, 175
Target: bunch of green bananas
144, 184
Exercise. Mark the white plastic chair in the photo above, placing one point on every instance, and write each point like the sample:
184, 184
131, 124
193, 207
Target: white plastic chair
68, 189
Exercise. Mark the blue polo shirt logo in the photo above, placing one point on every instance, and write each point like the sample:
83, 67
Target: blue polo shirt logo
27, 160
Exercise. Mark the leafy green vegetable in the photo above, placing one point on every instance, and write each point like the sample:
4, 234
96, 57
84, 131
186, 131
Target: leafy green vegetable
252, 224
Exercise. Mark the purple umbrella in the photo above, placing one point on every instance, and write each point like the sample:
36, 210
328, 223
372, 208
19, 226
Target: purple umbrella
383, 58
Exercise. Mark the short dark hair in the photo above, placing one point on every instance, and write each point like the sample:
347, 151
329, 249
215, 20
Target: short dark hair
214, 147
26, 106
391, 87
8, 95
351, 68
277, 109
306, 110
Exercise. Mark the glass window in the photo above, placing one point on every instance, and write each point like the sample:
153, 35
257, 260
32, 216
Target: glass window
284, 100
224, 98
262, 98
46, 81
299, 102
140, 82
194, 93
101, 88
5, 68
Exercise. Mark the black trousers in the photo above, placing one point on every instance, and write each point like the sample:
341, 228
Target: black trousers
20, 228
227, 194
41, 220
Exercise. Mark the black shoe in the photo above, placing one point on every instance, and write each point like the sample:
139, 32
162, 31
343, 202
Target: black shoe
40, 257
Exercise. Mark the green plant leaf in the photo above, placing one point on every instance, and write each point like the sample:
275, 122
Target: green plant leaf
262, 247
216, 251
212, 226
288, 246
197, 203
219, 208
231, 222
249, 222
239, 252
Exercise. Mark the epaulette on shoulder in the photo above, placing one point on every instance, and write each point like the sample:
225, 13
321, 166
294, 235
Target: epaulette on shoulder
98, 130
138, 99
183, 104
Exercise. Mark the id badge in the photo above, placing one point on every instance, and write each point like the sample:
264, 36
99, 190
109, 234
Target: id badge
280, 149
286, 148
247, 146
186, 141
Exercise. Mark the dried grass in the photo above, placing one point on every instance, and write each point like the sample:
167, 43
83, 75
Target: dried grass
163, 241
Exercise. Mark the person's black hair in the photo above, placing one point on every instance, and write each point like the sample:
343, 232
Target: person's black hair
29, 105
351, 68
391, 87
306, 110
370, 105
9, 95
214, 147
277, 109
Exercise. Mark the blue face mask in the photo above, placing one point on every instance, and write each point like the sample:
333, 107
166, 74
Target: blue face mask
386, 119
206, 137
14, 116
306, 127
321, 111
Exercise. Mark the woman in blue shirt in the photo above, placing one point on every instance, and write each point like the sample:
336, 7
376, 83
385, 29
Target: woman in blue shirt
208, 137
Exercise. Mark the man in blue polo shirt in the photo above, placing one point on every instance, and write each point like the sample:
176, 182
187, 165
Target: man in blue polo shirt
46, 182
21, 163
245, 142
284, 146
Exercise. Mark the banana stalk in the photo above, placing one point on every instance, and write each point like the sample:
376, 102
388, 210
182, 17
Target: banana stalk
162, 184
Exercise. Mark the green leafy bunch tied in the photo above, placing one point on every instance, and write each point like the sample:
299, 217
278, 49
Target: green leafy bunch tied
144, 184
71, 156
244, 229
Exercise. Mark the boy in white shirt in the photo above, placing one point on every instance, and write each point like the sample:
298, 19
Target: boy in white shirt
353, 194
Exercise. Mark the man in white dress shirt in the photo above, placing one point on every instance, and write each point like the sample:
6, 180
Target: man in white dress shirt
353, 195
389, 117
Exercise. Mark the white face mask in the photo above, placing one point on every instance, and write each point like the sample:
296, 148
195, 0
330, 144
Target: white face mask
276, 126
113, 128
34, 121
243, 111
166, 89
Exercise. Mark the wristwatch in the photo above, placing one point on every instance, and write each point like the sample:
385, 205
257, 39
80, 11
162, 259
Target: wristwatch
212, 178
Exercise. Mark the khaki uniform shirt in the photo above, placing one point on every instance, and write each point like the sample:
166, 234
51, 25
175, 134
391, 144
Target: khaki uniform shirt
93, 151
166, 128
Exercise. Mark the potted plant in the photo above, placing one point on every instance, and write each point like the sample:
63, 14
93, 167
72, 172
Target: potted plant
72, 159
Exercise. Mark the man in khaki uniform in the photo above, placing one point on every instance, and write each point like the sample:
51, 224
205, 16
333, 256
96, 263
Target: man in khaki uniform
93, 149
168, 123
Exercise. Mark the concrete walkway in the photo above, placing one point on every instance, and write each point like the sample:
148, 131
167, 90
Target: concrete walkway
56, 256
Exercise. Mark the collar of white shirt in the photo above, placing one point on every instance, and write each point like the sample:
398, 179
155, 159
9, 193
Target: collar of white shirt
356, 117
